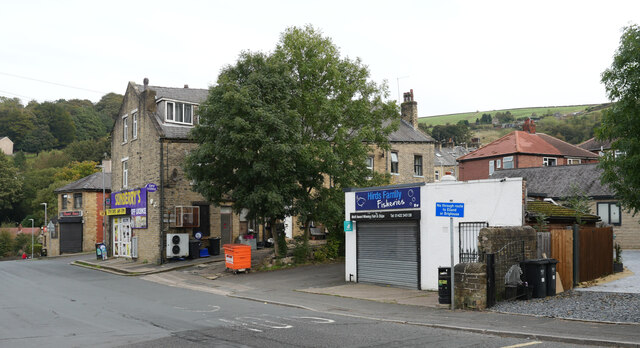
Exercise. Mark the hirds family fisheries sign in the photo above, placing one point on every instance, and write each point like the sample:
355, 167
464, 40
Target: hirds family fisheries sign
388, 199
137, 201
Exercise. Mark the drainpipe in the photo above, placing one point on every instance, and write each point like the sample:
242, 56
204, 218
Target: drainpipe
162, 233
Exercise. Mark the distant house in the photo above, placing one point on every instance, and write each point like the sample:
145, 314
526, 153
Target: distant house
80, 222
556, 183
521, 149
445, 160
6, 146
598, 147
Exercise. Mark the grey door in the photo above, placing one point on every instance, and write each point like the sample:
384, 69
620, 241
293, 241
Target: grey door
225, 225
388, 253
70, 237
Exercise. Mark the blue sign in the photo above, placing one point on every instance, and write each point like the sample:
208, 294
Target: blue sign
450, 209
348, 226
388, 199
151, 187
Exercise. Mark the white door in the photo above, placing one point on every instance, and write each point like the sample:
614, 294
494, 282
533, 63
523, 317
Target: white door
122, 237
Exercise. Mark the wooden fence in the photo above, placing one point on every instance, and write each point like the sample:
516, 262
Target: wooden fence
594, 254
562, 250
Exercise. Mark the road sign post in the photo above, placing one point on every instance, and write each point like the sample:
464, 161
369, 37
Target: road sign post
451, 210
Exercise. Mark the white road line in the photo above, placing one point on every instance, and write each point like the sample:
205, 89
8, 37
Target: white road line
523, 344
317, 320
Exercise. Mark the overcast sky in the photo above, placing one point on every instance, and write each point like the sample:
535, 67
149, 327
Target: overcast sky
457, 56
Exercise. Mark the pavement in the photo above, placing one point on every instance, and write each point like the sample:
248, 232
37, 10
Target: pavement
629, 284
322, 288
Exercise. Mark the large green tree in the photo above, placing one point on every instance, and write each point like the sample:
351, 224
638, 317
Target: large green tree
621, 123
283, 133
10, 189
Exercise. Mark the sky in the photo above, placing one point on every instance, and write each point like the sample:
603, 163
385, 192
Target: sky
457, 56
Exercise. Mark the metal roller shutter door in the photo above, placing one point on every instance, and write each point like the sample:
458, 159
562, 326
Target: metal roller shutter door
387, 253
70, 237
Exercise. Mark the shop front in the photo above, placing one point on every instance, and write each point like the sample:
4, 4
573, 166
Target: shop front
128, 213
395, 235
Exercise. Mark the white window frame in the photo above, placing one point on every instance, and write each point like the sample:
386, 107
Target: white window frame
509, 160
369, 163
77, 203
417, 167
498, 164
125, 129
174, 106
125, 172
134, 120
574, 161
492, 168
395, 169
65, 201
604, 211
546, 160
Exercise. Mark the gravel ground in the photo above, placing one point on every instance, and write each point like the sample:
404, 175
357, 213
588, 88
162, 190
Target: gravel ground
581, 305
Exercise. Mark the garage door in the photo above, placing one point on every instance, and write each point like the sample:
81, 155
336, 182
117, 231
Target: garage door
388, 253
70, 237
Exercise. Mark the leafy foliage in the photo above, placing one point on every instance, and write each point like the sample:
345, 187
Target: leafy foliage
459, 133
621, 123
6, 243
10, 187
578, 201
276, 128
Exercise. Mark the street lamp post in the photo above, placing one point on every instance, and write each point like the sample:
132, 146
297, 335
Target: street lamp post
45, 213
32, 223
104, 205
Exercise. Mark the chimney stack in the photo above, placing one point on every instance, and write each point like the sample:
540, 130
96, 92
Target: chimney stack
186, 86
409, 109
529, 126
145, 82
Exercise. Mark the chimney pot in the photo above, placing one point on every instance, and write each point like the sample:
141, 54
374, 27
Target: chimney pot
186, 86
145, 82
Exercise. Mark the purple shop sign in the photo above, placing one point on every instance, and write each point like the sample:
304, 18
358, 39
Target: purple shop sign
400, 198
136, 200
151, 187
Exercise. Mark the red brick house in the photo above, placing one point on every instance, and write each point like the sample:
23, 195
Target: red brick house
521, 149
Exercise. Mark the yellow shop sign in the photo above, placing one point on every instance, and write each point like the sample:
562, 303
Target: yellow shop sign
117, 211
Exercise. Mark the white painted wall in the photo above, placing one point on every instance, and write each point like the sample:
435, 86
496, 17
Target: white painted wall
498, 202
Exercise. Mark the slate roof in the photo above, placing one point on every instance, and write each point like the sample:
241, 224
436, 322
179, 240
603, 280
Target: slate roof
594, 145
446, 156
527, 143
556, 181
406, 133
92, 182
556, 212
190, 95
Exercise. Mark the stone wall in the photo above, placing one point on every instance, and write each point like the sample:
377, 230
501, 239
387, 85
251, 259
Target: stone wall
492, 239
471, 286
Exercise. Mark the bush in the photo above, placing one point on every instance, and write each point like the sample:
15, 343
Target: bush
6, 243
301, 250
22, 242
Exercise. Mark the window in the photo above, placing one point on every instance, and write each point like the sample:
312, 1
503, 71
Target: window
134, 119
77, 200
609, 212
417, 165
394, 163
437, 175
574, 161
549, 161
125, 129
64, 201
370, 163
498, 164
125, 173
491, 168
507, 162
179, 112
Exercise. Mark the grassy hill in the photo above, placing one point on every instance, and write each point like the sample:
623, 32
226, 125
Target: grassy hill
517, 113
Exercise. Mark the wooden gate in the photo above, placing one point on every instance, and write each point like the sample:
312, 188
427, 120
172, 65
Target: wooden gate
562, 250
596, 252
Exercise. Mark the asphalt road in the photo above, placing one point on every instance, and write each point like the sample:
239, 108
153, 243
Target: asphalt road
49, 303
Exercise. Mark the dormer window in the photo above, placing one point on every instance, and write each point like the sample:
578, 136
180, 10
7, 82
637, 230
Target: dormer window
179, 113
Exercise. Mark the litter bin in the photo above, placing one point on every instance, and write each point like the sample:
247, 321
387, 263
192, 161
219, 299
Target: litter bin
535, 272
194, 249
551, 277
214, 246
99, 250
444, 281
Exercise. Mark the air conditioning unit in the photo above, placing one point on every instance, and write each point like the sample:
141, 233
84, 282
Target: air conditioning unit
177, 244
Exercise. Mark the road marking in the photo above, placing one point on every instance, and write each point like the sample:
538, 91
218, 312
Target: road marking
523, 344
213, 308
274, 325
240, 323
317, 320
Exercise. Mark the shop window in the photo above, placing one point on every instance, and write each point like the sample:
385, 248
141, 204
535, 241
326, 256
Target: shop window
77, 201
394, 163
609, 212
417, 165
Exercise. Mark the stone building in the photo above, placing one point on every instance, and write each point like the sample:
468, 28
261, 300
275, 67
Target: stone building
152, 199
80, 222
6, 146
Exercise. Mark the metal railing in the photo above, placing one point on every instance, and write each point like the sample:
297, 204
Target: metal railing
468, 240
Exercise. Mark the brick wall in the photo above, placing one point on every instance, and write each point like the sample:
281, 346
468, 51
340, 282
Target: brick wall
479, 168
470, 286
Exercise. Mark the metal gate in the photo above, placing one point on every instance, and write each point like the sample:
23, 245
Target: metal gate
388, 253
468, 241
71, 237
